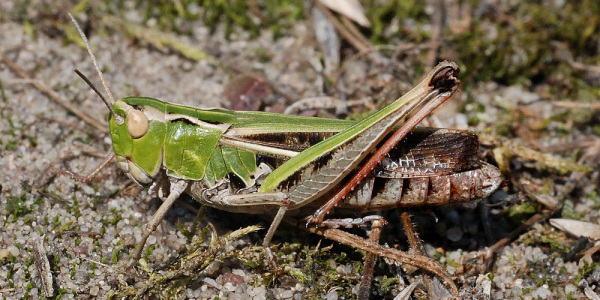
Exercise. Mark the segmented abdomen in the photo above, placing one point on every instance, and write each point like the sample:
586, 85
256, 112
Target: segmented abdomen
386, 193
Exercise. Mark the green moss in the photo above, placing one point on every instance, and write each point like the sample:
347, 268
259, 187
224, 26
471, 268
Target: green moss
520, 213
556, 240
172, 281
568, 211
250, 264
92, 274
76, 211
73, 268
28, 219
250, 16
60, 292
519, 51
298, 274
12, 144
112, 195
28, 288
8, 278
29, 260
3, 93
387, 283
262, 54
594, 198
15, 205
541, 273
66, 226
32, 141
116, 218
54, 263
56, 223
585, 270
452, 263
473, 121
188, 234
322, 263
115, 255
383, 13
149, 250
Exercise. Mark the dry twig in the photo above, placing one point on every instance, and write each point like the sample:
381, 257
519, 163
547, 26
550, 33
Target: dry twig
573, 104
54, 96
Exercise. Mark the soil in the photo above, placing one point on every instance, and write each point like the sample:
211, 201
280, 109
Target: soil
532, 99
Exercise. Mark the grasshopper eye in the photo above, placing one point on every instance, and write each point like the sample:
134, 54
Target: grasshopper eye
137, 123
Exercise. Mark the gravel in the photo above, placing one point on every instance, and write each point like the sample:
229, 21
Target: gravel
89, 230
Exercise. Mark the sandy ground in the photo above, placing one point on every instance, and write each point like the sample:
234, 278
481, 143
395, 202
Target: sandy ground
90, 230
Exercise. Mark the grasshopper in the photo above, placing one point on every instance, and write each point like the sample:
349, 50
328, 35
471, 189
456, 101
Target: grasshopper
258, 162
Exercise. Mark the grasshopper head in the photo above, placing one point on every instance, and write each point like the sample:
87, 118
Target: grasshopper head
138, 137
137, 127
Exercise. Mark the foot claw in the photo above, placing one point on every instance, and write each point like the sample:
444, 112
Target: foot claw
313, 221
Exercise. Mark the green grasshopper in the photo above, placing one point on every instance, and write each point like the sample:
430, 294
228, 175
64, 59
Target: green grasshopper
258, 162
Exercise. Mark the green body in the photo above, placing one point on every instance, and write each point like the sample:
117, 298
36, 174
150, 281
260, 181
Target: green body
185, 141
218, 149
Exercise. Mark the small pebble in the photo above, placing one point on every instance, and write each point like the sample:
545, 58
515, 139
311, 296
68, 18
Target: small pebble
4, 253
212, 283
13, 250
498, 295
287, 294
333, 295
259, 291
543, 293
232, 278
570, 288
229, 287
239, 272
94, 291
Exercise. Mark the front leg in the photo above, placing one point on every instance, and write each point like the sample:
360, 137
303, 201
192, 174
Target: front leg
177, 188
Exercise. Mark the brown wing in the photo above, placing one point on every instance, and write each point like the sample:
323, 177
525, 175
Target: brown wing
424, 152
429, 152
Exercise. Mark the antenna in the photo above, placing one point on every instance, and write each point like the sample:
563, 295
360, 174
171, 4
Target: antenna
118, 118
91, 85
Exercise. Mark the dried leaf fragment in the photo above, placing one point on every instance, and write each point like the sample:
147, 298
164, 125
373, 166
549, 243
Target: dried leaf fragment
407, 291
590, 293
577, 228
349, 8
